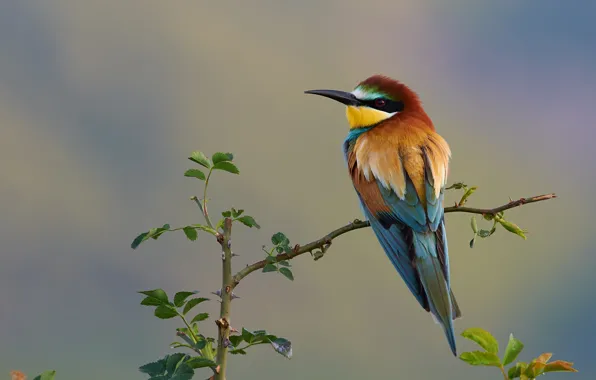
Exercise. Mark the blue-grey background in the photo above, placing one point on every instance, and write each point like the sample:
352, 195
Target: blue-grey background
101, 101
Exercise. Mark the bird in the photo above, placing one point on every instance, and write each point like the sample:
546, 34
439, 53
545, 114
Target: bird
399, 165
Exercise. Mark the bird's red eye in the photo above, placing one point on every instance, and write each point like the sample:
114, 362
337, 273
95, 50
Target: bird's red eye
379, 103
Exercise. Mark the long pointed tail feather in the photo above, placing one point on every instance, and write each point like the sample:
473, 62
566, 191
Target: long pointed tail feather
435, 285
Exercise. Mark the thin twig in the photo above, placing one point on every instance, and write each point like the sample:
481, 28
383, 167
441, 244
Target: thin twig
324, 242
496, 210
205, 212
505, 375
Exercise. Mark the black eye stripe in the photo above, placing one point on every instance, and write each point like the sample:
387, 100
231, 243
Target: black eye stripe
390, 105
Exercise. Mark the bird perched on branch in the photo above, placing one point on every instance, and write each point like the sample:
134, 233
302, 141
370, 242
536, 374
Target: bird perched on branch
399, 166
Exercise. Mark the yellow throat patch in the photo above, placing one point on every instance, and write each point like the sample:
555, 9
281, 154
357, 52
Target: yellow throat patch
359, 117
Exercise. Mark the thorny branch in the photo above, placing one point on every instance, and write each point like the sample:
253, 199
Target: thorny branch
323, 243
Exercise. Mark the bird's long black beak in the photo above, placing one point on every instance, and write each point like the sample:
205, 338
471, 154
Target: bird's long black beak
341, 96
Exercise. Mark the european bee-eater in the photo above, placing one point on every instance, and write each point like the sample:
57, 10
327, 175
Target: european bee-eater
399, 164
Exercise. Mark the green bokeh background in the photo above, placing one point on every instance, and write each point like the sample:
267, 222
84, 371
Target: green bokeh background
101, 101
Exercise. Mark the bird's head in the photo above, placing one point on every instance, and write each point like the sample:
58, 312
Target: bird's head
374, 100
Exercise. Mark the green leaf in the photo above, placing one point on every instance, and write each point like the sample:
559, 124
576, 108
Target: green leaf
190, 233
150, 301
484, 233
474, 224
281, 242
160, 231
226, 166
180, 298
139, 239
466, 195
514, 347
238, 352
512, 227
173, 361
287, 272
472, 242
46, 375
282, 346
269, 268
248, 221
236, 213
199, 362
200, 317
483, 338
226, 214
158, 295
481, 358
183, 372
247, 335
154, 368
165, 312
177, 368
235, 340
152, 233
270, 259
200, 159
517, 370
220, 157
192, 303
457, 186
279, 238
201, 343
285, 263
195, 173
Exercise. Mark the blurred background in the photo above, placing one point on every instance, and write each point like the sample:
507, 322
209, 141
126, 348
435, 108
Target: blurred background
101, 102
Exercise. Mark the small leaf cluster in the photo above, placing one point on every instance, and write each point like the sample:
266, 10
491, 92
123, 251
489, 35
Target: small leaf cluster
237, 216
281, 244
252, 338
489, 357
467, 191
497, 218
176, 366
180, 365
219, 161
